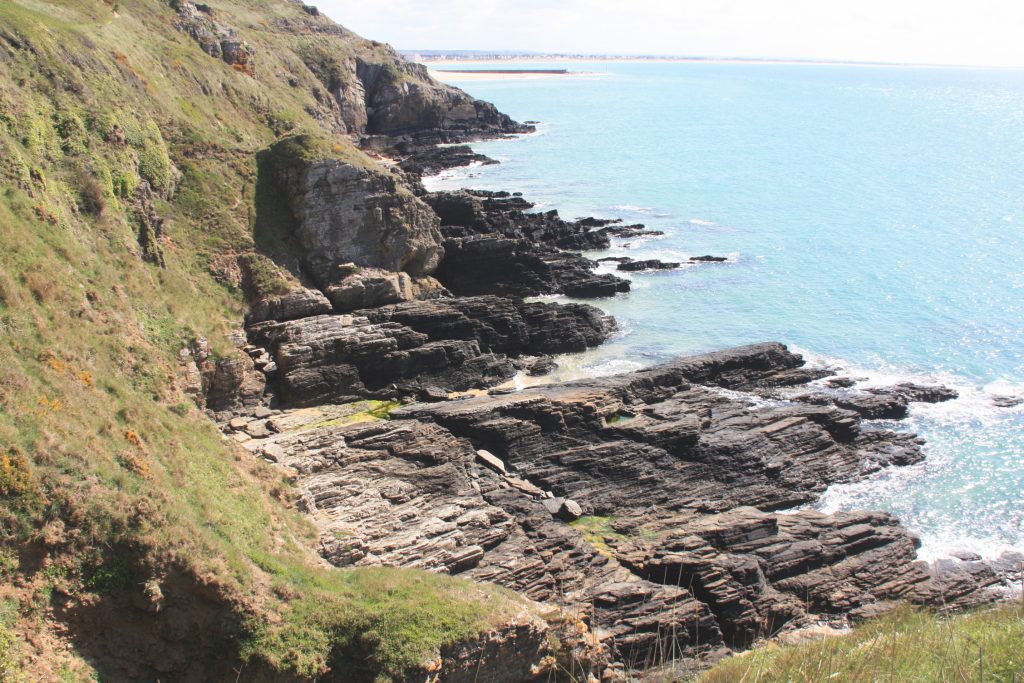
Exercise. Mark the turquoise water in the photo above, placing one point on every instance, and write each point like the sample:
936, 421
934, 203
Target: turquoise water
873, 218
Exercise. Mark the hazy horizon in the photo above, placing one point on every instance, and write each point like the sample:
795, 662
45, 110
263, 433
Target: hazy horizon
950, 32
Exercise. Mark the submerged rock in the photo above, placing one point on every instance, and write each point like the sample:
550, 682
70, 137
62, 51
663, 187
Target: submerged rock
649, 264
1007, 401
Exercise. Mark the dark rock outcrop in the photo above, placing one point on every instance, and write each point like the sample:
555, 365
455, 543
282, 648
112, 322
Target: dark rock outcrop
482, 212
760, 572
648, 264
708, 259
418, 161
490, 264
444, 344
663, 437
882, 403
680, 543
375, 91
344, 357
503, 325
349, 213
494, 246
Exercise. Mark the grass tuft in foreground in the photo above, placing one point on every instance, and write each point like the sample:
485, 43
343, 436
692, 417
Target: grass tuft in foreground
906, 645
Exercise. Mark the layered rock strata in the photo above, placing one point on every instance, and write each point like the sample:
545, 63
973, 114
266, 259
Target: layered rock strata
451, 344
493, 246
681, 476
349, 213
661, 510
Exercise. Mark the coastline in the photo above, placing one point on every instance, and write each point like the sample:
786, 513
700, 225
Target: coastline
266, 394
938, 549
496, 59
463, 76
971, 414
630, 496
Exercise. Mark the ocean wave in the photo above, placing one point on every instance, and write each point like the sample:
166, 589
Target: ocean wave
941, 546
440, 180
646, 211
950, 428
611, 366
975, 403
947, 541
701, 221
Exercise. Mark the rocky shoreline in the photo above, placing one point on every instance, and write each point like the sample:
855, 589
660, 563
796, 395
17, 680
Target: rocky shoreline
663, 510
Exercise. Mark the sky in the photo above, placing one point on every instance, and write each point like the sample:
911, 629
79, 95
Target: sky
974, 32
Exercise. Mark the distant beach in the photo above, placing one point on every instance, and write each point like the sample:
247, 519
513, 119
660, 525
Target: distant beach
477, 74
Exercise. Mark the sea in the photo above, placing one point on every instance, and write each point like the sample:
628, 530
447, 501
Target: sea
873, 220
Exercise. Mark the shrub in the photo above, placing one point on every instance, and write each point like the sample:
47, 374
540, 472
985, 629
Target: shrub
261, 278
91, 198
124, 184
71, 130
154, 160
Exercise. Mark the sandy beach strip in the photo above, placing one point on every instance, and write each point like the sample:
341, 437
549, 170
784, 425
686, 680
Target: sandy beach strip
446, 76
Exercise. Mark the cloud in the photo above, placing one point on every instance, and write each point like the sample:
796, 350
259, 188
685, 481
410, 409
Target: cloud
926, 31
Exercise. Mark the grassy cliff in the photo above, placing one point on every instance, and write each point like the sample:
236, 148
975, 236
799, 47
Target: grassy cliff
136, 539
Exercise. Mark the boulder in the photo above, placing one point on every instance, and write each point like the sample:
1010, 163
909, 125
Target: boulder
370, 289
232, 382
491, 461
542, 366
302, 303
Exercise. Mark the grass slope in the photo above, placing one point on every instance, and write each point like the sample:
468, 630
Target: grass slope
127, 194
906, 646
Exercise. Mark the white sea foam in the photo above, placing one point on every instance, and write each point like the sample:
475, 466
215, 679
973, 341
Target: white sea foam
701, 221
974, 403
972, 413
442, 179
612, 366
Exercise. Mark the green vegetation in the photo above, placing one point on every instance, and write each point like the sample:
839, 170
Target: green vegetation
351, 413
907, 645
392, 618
598, 531
9, 644
131, 215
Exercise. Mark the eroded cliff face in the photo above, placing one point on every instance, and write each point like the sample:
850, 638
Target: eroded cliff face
362, 87
347, 212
